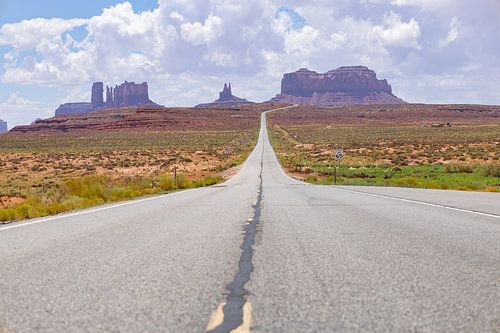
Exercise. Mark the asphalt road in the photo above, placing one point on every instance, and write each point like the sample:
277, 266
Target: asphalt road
261, 251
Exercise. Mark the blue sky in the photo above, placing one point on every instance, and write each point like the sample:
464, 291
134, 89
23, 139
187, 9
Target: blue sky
431, 51
15, 11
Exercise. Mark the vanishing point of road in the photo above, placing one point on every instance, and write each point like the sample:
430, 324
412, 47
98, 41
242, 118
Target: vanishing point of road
261, 252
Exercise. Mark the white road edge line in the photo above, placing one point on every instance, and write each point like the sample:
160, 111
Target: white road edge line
386, 196
418, 202
280, 168
132, 202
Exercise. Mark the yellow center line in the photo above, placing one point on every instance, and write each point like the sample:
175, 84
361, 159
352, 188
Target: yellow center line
218, 317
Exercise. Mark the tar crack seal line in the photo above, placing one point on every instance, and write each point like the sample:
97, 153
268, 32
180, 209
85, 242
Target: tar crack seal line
233, 309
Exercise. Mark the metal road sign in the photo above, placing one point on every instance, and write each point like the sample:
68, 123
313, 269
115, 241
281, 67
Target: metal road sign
339, 154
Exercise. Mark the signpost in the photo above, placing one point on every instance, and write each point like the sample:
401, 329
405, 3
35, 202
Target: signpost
339, 155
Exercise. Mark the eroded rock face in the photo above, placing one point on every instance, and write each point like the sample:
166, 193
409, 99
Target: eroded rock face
342, 86
3, 126
125, 95
226, 98
97, 91
128, 94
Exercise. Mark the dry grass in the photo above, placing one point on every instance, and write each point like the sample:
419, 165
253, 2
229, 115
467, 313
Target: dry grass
39, 169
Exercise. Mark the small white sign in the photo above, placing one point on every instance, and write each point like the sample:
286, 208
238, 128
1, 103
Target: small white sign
339, 154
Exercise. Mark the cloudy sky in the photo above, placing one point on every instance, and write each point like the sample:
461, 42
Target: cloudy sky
431, 51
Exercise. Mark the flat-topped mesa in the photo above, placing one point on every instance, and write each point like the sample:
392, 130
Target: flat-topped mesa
74, 108
3, 126
342, 86
226, 97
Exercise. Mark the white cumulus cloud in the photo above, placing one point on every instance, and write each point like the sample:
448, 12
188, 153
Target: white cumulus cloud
398, 33
202, 33
28, 33
185, 49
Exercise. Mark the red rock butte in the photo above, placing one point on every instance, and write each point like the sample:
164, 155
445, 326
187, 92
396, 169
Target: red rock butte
125, 95
342, 86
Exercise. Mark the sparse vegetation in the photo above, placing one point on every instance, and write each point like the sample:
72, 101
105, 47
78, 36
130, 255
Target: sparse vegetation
42, 175
464, 157
87, 191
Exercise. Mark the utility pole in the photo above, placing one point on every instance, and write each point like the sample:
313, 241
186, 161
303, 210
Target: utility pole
175, 176
334, 174
339, 155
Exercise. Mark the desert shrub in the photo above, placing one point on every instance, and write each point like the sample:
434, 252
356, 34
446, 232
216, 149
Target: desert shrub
407, 181
491, 170
433, 185
183, 182
464, 188
311, 179
120, 193
90, 187
458, 168
492, 189
167, 182
207, 181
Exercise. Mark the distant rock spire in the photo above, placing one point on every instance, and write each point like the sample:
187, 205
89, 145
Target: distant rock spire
226, 94
226, 98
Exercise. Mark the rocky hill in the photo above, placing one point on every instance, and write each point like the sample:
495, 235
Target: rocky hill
226, 98
342, 86
149, 118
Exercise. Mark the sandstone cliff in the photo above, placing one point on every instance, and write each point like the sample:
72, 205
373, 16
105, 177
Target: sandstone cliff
226, 97
96, 99
342, 86
126, 95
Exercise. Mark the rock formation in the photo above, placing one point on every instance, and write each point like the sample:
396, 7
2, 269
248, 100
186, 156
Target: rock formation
225, 98
125, 95
74, 108
128, 94
342, 86
96, 99
3, 126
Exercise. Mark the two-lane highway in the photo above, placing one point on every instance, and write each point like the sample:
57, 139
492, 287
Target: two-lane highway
262, 251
